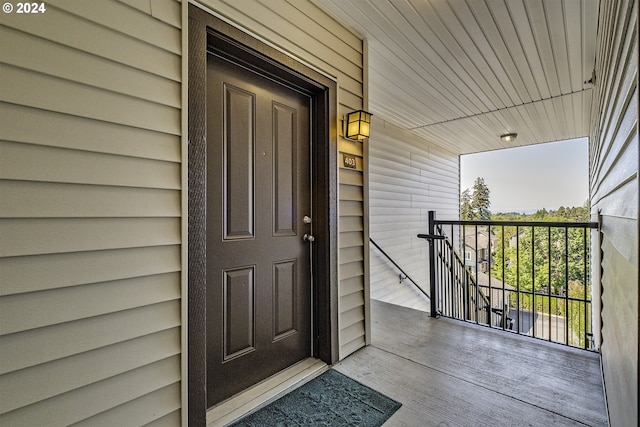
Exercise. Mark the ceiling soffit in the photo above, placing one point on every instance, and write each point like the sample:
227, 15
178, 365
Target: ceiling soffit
462, 72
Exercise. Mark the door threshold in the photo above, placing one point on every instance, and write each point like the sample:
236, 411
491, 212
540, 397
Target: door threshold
264, 392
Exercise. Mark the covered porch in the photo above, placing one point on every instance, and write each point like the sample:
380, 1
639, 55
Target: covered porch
447, 372
97, 303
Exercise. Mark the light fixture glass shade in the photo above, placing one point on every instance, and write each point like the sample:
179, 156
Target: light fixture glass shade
358, 125
508, 137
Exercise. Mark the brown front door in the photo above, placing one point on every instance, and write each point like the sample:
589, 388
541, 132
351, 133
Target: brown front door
258, 298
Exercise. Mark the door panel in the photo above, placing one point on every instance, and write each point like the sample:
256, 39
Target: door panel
284, 299
285, 142
238, 163
238, 319
258, 191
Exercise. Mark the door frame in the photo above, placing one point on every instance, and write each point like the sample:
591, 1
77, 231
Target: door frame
208, 32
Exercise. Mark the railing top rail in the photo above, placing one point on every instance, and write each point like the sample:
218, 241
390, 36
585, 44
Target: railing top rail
520, 223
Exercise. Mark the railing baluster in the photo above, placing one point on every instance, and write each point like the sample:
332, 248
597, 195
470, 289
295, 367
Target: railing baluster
476, 273
566, 285
490, 310
432, 266
446, 305
549, 281
533, 279
584, 251
465, 289
505, 313
454, 276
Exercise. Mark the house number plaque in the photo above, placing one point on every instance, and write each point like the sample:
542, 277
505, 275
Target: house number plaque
349, 161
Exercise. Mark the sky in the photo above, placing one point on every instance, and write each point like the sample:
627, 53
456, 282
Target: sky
526, 179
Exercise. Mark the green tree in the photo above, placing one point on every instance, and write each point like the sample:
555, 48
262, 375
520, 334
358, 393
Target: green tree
475, 206
480, 202
466, 213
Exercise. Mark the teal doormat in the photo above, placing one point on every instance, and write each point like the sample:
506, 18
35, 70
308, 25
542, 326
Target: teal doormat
332, 399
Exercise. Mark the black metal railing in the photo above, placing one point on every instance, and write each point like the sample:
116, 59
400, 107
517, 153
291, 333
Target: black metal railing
532, 278
403, 274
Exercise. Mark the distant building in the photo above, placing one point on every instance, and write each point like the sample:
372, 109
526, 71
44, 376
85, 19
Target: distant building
478, 250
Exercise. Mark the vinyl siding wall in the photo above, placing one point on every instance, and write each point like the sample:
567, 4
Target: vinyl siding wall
90, 214
306, 32
408, 177
614, 193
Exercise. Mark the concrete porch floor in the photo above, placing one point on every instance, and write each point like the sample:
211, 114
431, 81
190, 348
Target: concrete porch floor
450, 373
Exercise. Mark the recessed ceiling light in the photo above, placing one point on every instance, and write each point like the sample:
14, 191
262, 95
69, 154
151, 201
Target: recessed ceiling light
508, 137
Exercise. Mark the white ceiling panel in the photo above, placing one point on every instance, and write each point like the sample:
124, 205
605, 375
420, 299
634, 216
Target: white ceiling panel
553, 119
463, 72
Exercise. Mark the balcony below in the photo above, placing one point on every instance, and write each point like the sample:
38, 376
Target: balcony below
448, 372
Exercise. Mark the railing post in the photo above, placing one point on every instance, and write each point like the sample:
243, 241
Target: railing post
432, 265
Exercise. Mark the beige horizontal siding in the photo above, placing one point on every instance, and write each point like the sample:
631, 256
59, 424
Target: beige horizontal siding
42, 345
22, 312
351, 193
165, 11
85, 101
350, 207
351, 239
352, 287
80, 167
51, 271
118, 17
65, 131
62, 61
63, 28
169, 420
47, 380
61, 200
614, 195
96, 398
35, 236
408, 177
301, 31
90, 215
136, 412
351, 254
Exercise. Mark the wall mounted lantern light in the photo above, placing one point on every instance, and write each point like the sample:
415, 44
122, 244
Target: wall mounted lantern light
508, 137
358, 125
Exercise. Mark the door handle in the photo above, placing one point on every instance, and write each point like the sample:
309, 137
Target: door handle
308, 238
